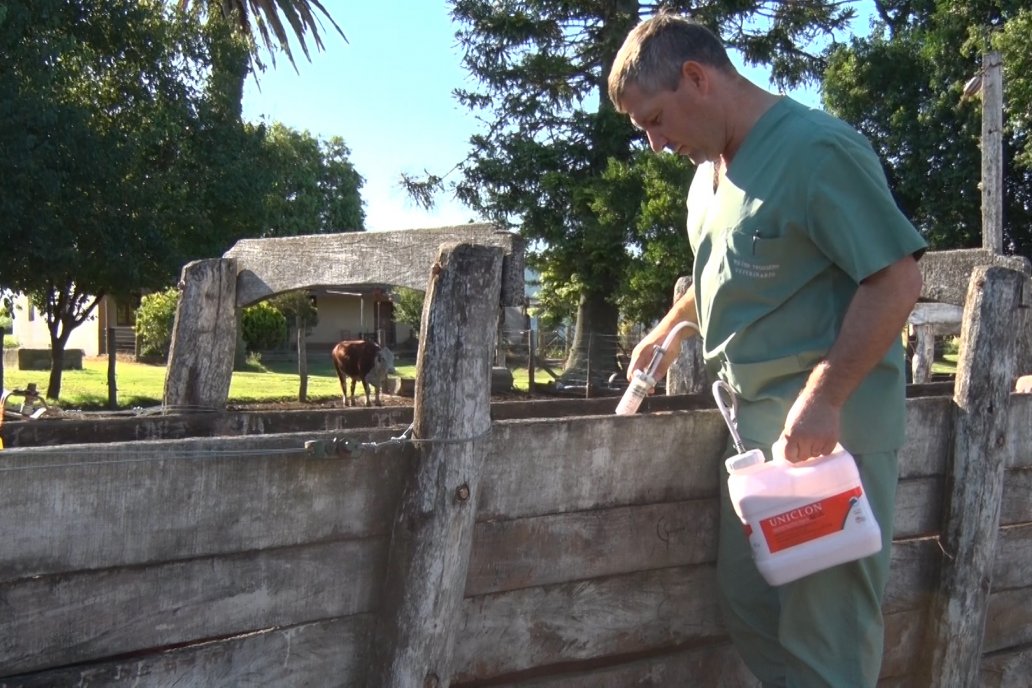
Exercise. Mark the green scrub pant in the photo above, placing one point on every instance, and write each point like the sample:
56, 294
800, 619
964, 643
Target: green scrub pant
824, 629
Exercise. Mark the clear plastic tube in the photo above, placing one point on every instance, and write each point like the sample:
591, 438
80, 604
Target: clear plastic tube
642, 382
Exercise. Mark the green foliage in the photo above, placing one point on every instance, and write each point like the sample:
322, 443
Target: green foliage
264, 327
553, 139
408, 307
119, 165
902, 87
296, 304
1013, 42
265, 16
314, 188
154, 321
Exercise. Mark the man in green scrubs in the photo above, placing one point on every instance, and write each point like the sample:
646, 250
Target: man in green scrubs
805, 273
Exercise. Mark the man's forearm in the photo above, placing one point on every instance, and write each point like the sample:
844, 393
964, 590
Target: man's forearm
874, 320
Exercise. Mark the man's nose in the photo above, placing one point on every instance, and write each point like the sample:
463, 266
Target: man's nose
656, 141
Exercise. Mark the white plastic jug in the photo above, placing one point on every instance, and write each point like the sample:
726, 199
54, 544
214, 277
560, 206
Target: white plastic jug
804, 517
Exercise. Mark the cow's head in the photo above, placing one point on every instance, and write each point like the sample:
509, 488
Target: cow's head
383, 365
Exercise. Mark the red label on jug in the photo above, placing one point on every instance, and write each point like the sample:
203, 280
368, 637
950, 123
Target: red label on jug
809, 522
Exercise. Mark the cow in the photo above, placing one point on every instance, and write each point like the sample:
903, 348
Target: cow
362, 360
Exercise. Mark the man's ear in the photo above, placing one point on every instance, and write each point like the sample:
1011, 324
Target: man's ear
694, 73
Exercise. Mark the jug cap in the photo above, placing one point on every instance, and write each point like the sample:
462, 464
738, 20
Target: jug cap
740, 461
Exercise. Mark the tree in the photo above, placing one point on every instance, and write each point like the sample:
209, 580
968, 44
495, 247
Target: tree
408, 307
244, 17
314, 187
103, 132
554, 144
902, 87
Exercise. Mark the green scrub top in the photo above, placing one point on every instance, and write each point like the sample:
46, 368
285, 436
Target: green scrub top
802, 215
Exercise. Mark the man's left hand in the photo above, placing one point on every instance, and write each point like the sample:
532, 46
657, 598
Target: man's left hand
812, 428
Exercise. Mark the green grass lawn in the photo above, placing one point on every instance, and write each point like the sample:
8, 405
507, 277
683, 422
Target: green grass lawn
142, 385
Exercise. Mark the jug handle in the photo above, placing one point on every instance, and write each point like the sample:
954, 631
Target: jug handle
777, 453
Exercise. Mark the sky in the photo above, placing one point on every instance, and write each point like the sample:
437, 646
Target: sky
387, 92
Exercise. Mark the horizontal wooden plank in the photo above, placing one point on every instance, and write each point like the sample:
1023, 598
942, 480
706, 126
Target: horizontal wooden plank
542, 550
904, 631
1007, 669
59, 620
913, 575
559, 548
1011, 565
1009, 620
590, 620
712, 664
292, 657
543, 467
134, 503
918, 509
511, 632
549, 466
1017, 497
96, 428
717, 664
928, 437
1019, 431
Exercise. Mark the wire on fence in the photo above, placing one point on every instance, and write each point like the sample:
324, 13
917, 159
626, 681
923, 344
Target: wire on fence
316, 449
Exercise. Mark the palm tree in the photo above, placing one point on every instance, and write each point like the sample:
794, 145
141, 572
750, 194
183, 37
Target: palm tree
269, 21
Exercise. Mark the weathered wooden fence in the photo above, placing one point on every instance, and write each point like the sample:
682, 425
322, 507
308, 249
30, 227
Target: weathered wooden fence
555, 551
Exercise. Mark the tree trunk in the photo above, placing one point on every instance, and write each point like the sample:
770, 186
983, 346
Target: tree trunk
594, 342
230, 63
57, 349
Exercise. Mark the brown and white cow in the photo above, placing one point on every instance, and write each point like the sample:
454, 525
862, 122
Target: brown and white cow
365, 361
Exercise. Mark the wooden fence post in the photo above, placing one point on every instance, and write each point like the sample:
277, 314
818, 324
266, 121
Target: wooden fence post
531, 353
200, 360
992, 152
433, 531
985, 374
112, 379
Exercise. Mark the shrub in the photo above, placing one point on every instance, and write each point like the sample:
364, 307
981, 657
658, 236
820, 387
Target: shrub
154, 320
6, 325
264, 327
408, 307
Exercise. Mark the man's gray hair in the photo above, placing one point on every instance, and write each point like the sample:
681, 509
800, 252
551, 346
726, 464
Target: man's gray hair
654, 51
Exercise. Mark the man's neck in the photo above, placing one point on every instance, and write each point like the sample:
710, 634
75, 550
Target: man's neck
747, 104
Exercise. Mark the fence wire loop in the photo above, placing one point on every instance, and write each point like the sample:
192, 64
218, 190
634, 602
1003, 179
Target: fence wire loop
408, 437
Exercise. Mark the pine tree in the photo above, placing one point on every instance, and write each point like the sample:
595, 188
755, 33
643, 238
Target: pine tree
554, 149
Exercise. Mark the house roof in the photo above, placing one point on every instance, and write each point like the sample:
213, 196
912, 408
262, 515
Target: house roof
403, 257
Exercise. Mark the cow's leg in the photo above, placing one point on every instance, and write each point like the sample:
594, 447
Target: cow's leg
351, 401
365, 387
376, 390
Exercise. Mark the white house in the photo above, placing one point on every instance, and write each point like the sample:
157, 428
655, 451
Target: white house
30, 327
344, 313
